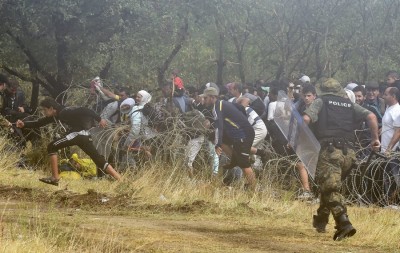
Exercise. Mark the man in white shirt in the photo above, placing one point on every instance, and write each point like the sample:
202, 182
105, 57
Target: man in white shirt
273, 96
391, 121
390, 138
235, 89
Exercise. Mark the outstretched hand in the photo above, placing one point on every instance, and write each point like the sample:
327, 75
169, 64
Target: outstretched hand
375, 145
19, 123
103, 123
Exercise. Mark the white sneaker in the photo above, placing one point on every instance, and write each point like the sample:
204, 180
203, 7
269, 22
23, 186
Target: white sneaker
393, 207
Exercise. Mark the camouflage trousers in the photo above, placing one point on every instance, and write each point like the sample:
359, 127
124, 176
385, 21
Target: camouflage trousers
331, 164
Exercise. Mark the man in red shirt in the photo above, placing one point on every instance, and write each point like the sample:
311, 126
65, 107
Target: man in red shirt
178, 83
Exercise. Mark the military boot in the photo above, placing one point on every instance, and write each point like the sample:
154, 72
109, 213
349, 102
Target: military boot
320, 222
343, 228
321, 219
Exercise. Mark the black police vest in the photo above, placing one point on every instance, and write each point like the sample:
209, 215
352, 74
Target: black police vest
336, 119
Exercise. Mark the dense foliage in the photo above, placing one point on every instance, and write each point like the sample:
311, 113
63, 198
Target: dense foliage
138, 42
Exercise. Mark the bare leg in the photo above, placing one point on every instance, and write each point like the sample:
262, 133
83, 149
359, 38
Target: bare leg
250, 177
303, 176
110, 170
54, 166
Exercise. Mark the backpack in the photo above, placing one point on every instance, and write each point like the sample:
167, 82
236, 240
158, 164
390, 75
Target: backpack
87, 168
258, 106
256, 103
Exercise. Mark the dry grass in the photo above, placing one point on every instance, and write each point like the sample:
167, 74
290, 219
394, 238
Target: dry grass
170, 213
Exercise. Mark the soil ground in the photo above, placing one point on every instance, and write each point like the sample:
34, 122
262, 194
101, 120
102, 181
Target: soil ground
193, 227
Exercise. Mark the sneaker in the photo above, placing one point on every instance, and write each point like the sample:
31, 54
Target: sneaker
49, 180
305, 196
393, 207
252, 159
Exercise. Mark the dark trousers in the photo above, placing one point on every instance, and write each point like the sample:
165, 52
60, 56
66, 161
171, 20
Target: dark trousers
82, 141
241, 151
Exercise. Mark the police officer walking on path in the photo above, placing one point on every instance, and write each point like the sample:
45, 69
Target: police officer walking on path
335, 117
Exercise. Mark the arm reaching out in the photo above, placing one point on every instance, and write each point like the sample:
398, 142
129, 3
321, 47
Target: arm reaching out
20, 123
373, 126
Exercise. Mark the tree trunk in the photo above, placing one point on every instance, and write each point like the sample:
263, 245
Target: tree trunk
220, 60
241, 67
35, 96
239, 55
64, 76
35, 91
365, 64
106, 69
280, 71
318, 66
182, 35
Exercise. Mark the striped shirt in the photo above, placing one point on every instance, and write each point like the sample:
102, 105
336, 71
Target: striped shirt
253, 117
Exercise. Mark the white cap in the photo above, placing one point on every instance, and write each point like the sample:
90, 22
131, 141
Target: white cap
305, 79
96, 79
351, 86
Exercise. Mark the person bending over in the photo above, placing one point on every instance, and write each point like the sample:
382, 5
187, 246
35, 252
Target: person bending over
78, 120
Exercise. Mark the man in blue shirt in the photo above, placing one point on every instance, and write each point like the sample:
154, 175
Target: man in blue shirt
232, 128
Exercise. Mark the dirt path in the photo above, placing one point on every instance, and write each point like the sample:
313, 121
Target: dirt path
182, 233
149, 231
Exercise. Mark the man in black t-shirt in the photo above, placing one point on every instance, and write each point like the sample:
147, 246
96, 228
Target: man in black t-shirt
78, 120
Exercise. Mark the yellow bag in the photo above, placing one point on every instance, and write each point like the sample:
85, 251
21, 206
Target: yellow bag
70, 175
86, 167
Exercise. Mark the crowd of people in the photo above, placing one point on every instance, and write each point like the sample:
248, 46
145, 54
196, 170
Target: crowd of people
235, 121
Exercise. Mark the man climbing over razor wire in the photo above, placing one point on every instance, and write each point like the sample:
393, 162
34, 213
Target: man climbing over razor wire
78, 120
335, 116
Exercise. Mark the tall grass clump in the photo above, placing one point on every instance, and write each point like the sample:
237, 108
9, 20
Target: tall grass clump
50, 231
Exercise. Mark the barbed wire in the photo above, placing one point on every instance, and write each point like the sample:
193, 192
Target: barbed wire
370, 182
374, 182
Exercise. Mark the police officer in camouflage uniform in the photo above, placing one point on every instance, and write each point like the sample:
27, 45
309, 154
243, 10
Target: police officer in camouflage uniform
335, 117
